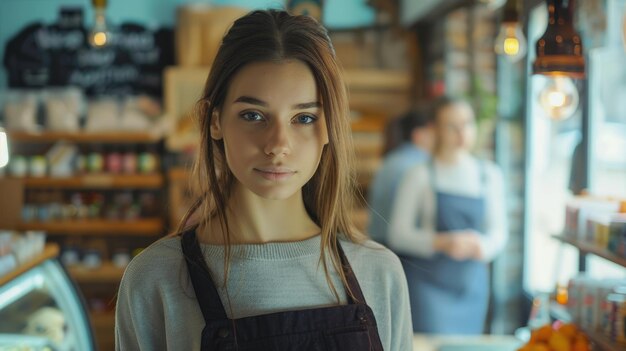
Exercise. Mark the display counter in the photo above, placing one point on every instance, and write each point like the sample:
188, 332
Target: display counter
40, 309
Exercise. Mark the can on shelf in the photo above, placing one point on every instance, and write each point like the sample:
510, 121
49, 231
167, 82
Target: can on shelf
616, 304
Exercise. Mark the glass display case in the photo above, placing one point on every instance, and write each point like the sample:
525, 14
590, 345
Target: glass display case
40, 309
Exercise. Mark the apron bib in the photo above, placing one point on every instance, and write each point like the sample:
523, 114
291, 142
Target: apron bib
345, 327
449, 296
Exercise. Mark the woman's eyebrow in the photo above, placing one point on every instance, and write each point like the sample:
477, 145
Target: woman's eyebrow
306, 105
251, 100
259, 102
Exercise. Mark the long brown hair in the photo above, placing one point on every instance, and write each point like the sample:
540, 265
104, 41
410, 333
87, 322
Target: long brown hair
328, 196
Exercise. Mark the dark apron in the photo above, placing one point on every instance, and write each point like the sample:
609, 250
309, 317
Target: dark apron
345, 327
449, 296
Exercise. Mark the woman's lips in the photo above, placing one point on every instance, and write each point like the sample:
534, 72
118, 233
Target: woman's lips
275, 173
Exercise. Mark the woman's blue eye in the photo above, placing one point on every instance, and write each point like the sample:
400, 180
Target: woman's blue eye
305, 119
252, 116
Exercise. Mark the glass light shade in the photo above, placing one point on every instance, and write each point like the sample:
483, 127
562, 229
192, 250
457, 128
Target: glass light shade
4, 148
511, 41
558, 97
99, 36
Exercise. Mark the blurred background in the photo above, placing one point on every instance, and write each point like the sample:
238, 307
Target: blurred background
96, 140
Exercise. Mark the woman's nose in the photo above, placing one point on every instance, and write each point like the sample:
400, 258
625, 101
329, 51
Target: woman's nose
278, 143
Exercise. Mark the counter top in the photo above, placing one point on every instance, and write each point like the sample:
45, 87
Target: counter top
424, 342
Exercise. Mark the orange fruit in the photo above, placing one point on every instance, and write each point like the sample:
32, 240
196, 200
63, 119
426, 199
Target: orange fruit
559, 342
542, 334
568, 330
539, 347
581, 345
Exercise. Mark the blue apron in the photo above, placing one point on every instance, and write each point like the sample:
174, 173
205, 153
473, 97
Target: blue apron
449, 296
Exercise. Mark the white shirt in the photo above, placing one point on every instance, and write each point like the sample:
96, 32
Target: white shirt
412, 226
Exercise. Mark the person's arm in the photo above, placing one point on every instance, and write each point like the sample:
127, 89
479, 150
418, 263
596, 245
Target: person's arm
401, 324
496, 223
414, 197
138, 315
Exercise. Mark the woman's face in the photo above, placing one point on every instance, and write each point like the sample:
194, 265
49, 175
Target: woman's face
273, 128
456, 127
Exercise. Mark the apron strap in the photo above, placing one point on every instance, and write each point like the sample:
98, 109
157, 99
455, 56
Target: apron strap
206, 294
353, 283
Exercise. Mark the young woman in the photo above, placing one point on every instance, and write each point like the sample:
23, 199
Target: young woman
274, 262
448, 221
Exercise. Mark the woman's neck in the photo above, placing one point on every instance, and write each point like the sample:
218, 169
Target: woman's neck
255, 220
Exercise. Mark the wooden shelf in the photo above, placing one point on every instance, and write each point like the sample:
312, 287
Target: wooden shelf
49, 251
97, 181
593, 249
140, 227
107, 273
560, 312
84, 137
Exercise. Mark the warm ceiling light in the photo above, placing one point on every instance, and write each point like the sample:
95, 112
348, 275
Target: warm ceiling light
99, 35
560, 49
511, 41
558, 97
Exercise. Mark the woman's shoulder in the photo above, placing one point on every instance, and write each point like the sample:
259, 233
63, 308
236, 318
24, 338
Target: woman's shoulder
156, 259
374, 258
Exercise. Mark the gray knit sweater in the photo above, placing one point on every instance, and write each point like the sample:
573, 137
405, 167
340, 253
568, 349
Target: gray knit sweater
157, 307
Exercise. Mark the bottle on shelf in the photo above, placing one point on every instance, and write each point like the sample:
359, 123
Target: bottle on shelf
540, 311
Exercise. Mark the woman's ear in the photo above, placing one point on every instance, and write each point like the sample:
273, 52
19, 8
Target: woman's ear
216, 128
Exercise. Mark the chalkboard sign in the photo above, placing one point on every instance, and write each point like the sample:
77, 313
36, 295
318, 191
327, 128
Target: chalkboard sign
58, 55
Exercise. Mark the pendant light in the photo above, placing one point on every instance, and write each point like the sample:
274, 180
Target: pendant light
560, 49
99, 35
559, 60
511, 41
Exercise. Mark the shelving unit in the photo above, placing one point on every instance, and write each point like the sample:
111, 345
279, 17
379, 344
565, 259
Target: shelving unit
559, 312
586, 247
97, 181
139, 227
98, 285
79, 137
108, 272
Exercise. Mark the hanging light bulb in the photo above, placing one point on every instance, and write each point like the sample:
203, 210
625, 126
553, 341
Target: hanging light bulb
99, 35
511, 41
4, 148
558, 96
560, 49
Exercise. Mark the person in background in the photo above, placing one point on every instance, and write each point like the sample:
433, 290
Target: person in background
417, 140
273, 261
448, 221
